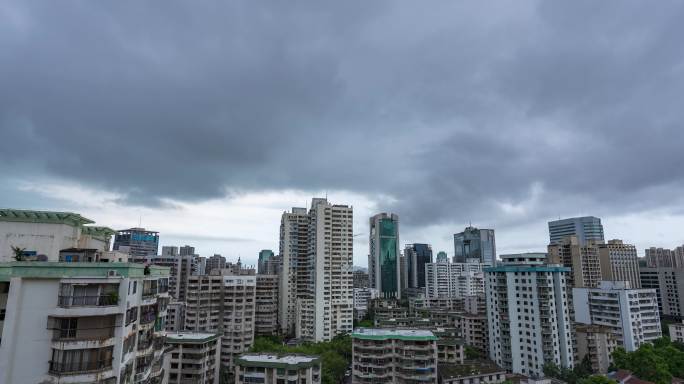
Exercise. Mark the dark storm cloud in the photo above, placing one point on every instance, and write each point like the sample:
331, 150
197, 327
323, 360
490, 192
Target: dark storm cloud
495, 113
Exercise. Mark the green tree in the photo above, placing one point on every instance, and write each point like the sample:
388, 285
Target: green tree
472, 353
18, 253
597, 379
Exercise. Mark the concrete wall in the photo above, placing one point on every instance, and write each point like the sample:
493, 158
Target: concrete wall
42, 238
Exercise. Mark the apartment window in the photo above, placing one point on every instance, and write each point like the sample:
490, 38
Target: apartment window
67, 328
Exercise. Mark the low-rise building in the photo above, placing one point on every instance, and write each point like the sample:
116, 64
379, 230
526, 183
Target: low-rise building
450, 350
677, 332
472, 372
105, 322
475, 331
277, 368
193, 358
393, 355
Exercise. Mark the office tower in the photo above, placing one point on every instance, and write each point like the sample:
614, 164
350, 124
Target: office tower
669, 286
42, 234
169, 250
383, 260
214, 262
442, 257
585, 229
296, 270
186, 250
270, 368
362, 297
393, 355
632, 314
329, 311
619, 262
266, 312
223, 304
446, 279
194, 357
598, 343
475, 243
361, 279
137, 241
81, 323
582, 259
417, 255
666, 258
264, 256
528, 314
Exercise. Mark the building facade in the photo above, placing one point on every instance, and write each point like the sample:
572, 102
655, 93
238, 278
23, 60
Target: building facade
266, 312
181, 267
393, 356
264, 256
528, 314
137, 241
277, 369
677, 332
669, 286
598, 343
384, 269
454, 279
417, 255
193, 358
105, 322
215, 262
619, 262
585, 229
474, 243
582, 259
362, 298
295, 276
632, 314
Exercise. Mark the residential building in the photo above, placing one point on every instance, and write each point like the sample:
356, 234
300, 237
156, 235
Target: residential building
669, 286
330, 310
384, 266
194, 358
186, 250
169, 250
270, 368
474, 243
266, 312
417, 255
82, 322
361, 279
474, 330
585, 229
43, 234
472, 372
223, 304
528, 314
677, 332
272, 265
296, 274
582, 259
598, 342
454, 279
264, 256
619, 262
665, 258
393, 355
214, 262
181, 268
362, 297
442, 257
631, 313
450, 350
137, 241
175, 318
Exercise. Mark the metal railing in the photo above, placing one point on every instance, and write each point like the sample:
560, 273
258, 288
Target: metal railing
88, 301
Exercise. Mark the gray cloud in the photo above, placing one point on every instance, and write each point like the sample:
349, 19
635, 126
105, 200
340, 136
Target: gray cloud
452, 109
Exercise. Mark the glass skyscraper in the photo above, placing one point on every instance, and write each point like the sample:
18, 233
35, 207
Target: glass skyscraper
474, 243
584, 228
383, 259
417, 255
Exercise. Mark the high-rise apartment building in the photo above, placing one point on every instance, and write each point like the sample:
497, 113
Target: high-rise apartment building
264, 256
619, 262
137, 241
417, 255
82, 322
632, 314
393, 356
384, 267
186, 250
361, 279
194, 358
169, 250
598, 343
582, 259
180, 268
585, 229
528, 314
266, 312
475, 243
669, 286
446, 279
214, 262
316, 297
665, 258
223, 304
269, 368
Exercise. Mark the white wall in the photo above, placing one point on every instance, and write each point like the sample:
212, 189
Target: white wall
46, 239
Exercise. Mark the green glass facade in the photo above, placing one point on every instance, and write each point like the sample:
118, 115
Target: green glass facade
388, 257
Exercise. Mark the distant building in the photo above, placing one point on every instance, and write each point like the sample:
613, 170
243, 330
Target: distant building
669, 286
270, 368
186, 250
175, 320
362, 297
417, 255
264, 256
361, 279
585, 229
266, 313
475, 243
473, 372
393, 355
214, 262
169, 250
384, 267
181, 267
454, 279
665, 258
442, 257
632, 314
677, 332
582, 259
598, 343
619, 262
138, 242
194, 357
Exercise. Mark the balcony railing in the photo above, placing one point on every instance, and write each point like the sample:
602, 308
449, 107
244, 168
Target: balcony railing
60, 368
88, 301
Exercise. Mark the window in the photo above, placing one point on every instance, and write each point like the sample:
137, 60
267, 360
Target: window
67, 328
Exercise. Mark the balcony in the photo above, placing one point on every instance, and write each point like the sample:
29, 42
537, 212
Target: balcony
75, 368
88, 301
87, 328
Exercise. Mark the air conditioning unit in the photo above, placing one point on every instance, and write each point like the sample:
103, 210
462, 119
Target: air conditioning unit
112, 273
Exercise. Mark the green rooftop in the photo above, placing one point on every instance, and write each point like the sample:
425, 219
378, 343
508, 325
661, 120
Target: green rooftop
58, 270
46, 217
98, 232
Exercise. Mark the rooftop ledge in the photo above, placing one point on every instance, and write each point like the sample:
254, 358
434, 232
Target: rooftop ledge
57, 270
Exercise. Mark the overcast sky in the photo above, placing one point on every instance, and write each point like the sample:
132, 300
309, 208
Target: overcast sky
206, 120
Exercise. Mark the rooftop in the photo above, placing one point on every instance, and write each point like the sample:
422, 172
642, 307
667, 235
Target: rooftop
386, 334
528, 268
59, 270
45, 217
469, 368
277, 360
189, 337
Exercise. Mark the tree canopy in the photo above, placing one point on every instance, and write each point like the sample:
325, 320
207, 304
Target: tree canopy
657, 362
